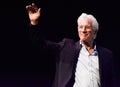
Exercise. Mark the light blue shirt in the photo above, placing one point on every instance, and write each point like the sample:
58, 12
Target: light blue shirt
87, 69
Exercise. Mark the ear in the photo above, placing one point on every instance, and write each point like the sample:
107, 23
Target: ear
95, 32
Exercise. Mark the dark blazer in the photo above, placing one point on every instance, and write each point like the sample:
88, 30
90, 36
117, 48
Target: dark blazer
66, 53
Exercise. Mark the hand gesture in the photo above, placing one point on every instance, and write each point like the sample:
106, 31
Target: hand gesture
34, 13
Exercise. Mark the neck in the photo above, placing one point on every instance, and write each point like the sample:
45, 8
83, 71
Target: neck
88, 43
89, 46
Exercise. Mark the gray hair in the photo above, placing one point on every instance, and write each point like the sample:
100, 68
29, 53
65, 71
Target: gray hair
95, 24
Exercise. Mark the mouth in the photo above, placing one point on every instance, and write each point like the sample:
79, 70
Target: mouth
84, 34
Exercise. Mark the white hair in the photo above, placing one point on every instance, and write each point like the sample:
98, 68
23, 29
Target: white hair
95, 24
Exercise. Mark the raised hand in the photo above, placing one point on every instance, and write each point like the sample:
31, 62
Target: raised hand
34, 13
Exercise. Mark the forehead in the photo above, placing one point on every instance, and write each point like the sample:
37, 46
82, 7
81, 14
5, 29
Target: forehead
84, 21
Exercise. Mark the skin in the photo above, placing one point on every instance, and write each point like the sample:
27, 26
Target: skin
85, 30
34, 13
86, 33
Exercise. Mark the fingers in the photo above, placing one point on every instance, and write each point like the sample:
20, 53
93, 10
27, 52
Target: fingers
29, 9
33, 3
39, 9
32, 8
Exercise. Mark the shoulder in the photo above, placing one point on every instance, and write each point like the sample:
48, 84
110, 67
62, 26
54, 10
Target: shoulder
66, 42
104, 50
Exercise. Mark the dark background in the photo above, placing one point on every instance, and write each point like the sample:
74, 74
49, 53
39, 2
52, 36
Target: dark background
22, 65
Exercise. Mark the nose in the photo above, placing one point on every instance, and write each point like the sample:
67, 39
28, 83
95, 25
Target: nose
83, 29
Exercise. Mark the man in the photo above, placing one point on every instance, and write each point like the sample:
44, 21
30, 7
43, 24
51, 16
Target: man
78, 64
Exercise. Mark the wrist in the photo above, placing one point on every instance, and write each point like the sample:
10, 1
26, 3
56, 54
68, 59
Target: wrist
34, 22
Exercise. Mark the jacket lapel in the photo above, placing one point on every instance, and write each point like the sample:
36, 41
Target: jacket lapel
100, 56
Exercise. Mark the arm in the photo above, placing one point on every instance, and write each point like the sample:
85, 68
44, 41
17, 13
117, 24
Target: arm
33, 28
35, 33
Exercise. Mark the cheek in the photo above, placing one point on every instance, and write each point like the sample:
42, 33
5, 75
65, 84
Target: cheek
78, 30
79, 33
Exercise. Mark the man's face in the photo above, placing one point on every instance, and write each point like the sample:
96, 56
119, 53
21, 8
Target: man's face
85, 31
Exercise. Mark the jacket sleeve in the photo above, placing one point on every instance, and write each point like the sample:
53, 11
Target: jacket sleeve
38, 40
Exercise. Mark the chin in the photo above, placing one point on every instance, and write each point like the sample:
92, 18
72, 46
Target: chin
83, 40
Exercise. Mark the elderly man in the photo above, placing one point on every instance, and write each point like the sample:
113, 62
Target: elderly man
79, 64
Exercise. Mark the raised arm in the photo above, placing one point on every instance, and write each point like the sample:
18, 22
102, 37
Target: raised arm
34, 13
35, 35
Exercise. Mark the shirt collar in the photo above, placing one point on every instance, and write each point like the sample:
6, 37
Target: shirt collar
95, 53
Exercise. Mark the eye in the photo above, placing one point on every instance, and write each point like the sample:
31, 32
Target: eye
88, 27
80, 26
